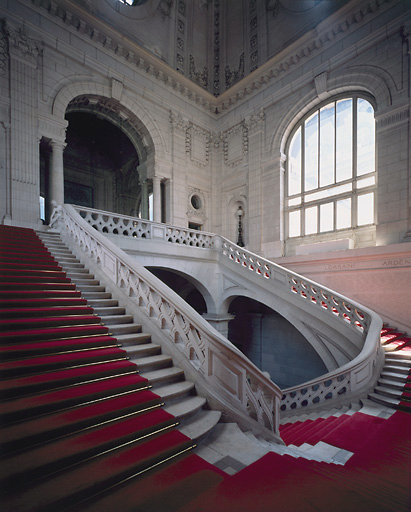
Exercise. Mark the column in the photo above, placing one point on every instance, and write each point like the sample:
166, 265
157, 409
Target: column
156, 199
144, 200
56, 187
219, 322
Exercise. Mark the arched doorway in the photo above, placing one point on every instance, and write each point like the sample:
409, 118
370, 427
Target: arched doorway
101, 166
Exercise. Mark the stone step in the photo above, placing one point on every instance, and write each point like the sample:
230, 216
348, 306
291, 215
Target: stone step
124, 329
392, 393
133, 339
393, 376
163, 375
170, 392
96, 295
396, 369
387, 383
105, 303
73, 266
399, 354
91, 288
187, 407
111, 320
199, 426
152, 362
108, 311
384, 400
394, 361
81, 275
82, 282
142, 350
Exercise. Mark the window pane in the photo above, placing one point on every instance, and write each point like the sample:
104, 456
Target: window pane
344, 140
327, 151
327, 217
311, 220
311, 152
294, 164
366, 182
365, 209
365, 138
294, 228
344, 214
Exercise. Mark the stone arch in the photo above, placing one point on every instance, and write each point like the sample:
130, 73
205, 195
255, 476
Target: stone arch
155, 140
196, 283
369, 79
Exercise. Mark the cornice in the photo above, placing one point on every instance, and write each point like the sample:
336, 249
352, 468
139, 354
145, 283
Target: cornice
334, 28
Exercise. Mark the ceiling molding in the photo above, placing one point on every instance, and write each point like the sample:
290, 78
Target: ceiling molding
337, 26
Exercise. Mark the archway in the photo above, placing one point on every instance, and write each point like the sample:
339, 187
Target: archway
272, 343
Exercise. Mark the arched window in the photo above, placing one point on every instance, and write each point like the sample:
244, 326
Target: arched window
331, 175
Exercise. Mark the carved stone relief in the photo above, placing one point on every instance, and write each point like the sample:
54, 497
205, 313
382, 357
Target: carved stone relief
231, 77
196, 205
197, 76
22, 46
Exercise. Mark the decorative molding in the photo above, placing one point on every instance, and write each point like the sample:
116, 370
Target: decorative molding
324, 36
235, 144
116, 89
232, 77
198, 214
321, 85
392, 119
197, 144
216, 40
273, 6
54, 129
3, 48
197, 76
179, 123
164, 8
255, 122
23, 47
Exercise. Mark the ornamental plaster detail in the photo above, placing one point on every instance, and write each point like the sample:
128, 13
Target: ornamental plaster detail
392, 119
319, 39
23, 47
196, 214
235, 144
197, 76
52, 129
197, 143
232, 77
3, 49
216, 49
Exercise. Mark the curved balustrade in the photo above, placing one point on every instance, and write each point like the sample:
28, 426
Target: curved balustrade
227, 372
366, 323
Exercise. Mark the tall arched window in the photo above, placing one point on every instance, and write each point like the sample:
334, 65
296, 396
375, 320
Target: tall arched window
331, 175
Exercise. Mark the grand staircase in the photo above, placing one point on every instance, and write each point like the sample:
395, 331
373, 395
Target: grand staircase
87, 400
94, 417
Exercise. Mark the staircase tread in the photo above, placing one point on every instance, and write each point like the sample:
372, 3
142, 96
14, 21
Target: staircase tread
186, 406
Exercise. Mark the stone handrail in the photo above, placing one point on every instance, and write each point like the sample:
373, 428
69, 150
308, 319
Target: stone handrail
345, 380
234, 381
